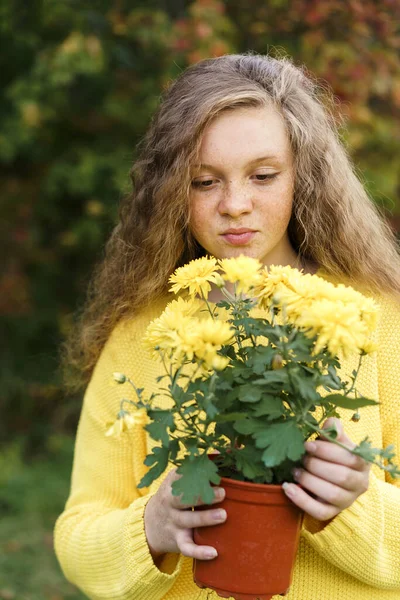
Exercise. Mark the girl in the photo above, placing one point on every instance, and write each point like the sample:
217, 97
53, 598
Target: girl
242, 157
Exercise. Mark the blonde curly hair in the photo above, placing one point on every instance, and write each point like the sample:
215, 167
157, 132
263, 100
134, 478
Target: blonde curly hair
334, 223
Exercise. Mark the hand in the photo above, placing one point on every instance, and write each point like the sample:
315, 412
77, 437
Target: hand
169, 523
332, 477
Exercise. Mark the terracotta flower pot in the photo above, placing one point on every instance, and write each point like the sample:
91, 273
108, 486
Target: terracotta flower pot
256, 545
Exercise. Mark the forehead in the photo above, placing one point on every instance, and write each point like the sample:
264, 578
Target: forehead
245, 133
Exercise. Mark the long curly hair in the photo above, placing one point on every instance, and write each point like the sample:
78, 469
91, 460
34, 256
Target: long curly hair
334, 223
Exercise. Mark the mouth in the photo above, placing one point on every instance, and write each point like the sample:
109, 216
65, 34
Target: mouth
239, 237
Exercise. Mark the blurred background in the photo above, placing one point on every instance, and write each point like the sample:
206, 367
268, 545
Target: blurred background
80, 80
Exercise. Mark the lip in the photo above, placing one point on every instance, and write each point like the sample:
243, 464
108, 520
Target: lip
239, 237
238, 231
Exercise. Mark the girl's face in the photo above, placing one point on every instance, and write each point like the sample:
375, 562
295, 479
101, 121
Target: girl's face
242, 192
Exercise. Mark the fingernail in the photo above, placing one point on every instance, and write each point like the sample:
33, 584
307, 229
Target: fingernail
219, 493
310, 447
212, 553
290, 490
296, 473
219, 515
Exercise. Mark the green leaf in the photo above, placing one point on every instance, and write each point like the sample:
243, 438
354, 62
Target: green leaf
192, 408
234, 416
248, 426
269, 405
190, 444
382, 457
224, 386
209, 407
366, 451
331, 432
173, 449
388, 452
223, 304
260, 358
226, 430
346, 402
279, 377
179, 394
229, 351
249, 393
282, 441
197, 475
248, 461
159, 458
304, 385
158, 429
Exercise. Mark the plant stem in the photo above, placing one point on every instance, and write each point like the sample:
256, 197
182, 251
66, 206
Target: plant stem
321, 432
129, 402
134, 386
207, 304
355, 376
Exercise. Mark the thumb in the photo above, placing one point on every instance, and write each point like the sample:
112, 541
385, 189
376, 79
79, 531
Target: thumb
334, 427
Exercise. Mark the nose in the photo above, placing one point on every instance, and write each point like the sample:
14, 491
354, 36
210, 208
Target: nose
235, 201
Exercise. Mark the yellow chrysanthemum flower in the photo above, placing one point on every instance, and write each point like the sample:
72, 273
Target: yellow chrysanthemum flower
271, 282
244, 271
181, 337
165, 334
210, 336
336, 324
181, 307
296, 293
369, 347
125, 422
196, 277
369, 312
367, 307
214, 332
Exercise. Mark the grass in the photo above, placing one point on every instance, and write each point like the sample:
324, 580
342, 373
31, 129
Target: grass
32, 495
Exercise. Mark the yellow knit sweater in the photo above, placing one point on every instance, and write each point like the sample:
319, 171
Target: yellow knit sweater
100, 540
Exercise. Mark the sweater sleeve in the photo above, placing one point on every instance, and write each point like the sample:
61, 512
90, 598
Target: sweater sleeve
364, 539
100, 540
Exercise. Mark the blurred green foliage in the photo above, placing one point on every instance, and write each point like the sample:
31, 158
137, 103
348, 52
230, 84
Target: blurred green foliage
32, 495
80, 81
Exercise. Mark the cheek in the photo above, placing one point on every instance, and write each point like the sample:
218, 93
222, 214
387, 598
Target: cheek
199, 220
277, 214
279, 210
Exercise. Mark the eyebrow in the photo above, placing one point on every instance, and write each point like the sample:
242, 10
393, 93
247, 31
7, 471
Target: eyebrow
249, 164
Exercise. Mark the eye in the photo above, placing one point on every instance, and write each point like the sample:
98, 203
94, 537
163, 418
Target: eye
202, 184
266, 176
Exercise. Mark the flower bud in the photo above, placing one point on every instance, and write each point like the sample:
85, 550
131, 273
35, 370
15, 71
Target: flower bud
119, 377
219, 363
277, 362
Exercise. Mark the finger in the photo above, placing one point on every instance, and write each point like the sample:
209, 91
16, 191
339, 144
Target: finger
335, 454
185, 519
341, 434
328, 492
315, 508
187, 547
344, 477
219, 495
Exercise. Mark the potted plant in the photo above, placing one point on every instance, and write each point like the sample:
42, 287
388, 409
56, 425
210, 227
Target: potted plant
250, 379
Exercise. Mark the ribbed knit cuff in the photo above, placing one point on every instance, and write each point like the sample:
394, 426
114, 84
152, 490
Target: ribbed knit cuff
341, 529
149, 575
363, 540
